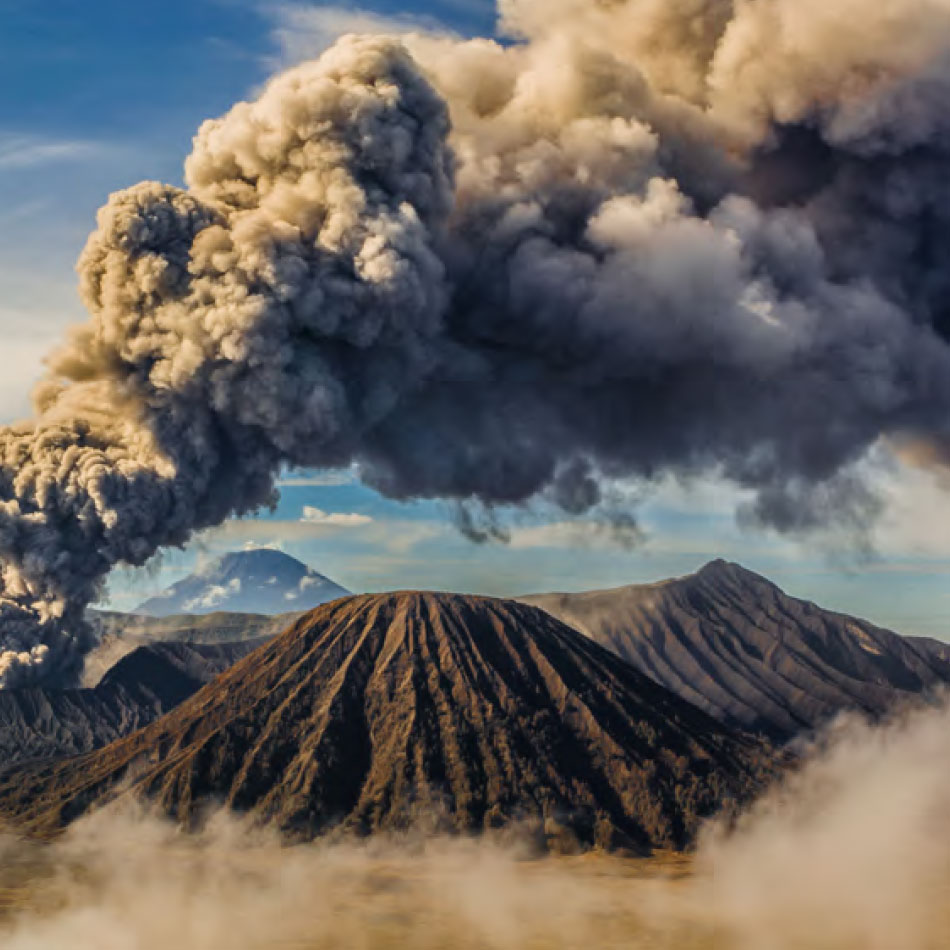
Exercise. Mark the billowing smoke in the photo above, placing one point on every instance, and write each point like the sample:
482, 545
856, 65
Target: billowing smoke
648, 237
277, 311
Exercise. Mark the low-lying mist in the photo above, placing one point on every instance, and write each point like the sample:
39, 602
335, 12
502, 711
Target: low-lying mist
852, 850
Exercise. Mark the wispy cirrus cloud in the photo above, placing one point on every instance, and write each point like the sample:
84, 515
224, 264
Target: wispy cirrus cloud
332, 478
394, 535
30, 151
622, 535
338, 519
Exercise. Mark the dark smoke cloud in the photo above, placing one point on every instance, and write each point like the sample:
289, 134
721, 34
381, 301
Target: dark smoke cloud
649, 237
274, 312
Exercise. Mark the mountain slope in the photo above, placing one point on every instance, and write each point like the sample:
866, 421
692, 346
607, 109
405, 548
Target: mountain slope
741, 649
38, 723
376, 711
119, 634
262, 581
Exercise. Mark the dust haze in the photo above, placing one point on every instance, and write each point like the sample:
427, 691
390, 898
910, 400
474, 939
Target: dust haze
853, 850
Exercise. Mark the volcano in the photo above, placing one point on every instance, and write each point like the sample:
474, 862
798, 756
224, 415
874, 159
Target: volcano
736, 645
260, 581
381, 712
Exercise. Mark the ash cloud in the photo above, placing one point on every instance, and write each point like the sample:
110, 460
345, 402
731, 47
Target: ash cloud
645, 238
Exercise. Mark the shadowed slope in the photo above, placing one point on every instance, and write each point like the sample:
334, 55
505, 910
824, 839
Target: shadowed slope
741, 649
38, 723
119, 634
375, 712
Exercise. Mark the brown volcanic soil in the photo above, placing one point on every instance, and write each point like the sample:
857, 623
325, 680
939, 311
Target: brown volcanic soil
742, 650
375, 712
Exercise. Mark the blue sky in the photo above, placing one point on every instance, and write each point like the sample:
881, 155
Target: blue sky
99, 95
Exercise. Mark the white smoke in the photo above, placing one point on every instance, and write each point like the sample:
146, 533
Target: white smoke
647, 237
851, 851
854, 850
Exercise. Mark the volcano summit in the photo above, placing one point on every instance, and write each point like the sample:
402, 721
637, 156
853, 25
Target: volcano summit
260, 581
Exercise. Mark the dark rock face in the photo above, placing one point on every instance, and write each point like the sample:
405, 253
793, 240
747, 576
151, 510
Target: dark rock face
373, 711
119, 634
41, 723
261, 581
745, 652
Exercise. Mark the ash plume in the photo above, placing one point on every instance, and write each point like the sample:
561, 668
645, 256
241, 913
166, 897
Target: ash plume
643, 238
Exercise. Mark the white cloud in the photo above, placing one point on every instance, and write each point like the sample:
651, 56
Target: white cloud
331, 478
575, 534
256, 545
27, 151
303, 32
340, 519
709, 497
393, 536
253, 533
916, 513
306, 582
214, 596
36, 306
22, 367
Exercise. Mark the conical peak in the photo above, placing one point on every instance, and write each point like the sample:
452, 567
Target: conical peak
373, 707
721, 571
717, 565
262, 580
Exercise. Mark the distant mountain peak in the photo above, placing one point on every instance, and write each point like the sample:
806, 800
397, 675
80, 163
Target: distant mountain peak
256, 557
730, 572
719, 566
261, 580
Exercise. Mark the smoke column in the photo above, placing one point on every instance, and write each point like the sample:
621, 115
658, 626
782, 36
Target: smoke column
653, 236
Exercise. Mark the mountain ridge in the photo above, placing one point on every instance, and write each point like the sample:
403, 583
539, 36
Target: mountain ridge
736, 645
42, 723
